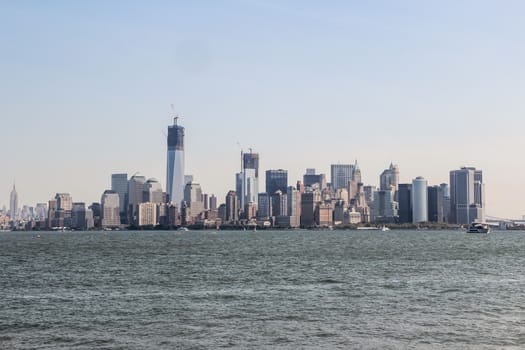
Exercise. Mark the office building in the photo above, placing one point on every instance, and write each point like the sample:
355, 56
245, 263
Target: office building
311, 179
263, 206
389, 178
293, 201
341, 175
175, 163
193, 199
248, 179
435, 204
78, 216
135, 197
147, 214
419, 200
213, 202
384, 208
110, 209
310, 199
152, 191
119, 184
467, 196
276, 180
13, 204
231, 213
404, 195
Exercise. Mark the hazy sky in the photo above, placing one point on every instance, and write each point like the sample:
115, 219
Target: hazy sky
86, 88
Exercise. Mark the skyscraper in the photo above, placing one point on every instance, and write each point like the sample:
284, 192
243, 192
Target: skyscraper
152, 191
341, 175
175, 164
13, 204
310, 179
135, 196
419, 200
193, 198
276, 180
467, 196
119, 184
250, 178
110, 209
231, 214
389, 178
405, 203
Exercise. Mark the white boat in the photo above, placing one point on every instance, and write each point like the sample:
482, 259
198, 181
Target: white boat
384, 228
182, 228
478, 227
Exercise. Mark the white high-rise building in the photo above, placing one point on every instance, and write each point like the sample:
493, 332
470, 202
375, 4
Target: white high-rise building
110, 209
175, 163
248, 179
147, 214
419, 200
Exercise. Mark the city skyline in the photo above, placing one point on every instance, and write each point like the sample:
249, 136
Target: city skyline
82, 100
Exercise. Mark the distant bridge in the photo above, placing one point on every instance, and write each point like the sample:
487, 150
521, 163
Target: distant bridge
503, 222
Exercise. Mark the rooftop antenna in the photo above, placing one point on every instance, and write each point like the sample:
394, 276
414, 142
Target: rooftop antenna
176, 116
238, 144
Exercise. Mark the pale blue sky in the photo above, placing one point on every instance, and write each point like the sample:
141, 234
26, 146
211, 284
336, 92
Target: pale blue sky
86, 88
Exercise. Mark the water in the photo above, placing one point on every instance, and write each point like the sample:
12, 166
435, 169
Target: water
268, 289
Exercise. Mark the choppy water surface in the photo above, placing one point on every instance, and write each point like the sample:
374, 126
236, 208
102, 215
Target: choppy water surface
287, 289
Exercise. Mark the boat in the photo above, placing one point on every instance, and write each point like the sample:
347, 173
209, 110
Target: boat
183, 229
478, 227
384, 228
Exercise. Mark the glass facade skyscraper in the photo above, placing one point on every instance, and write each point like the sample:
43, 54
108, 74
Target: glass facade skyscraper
175, 163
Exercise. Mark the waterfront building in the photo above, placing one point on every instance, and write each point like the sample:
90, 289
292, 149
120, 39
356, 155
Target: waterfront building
213, 202
193, 199
340, 209
369, 194
467, 196
147, 214
135, 196
13, 204
435, 204
404, 195
279, 205
250, 210
78, 216
276, 180
445, 201
110, 209
248, 179
353, 217
119, 184
152, 191
419, 200
384, 208
310, 199
293, 201
175, 163
263, 206
341, 175
206, 201
231, 214
324, 215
